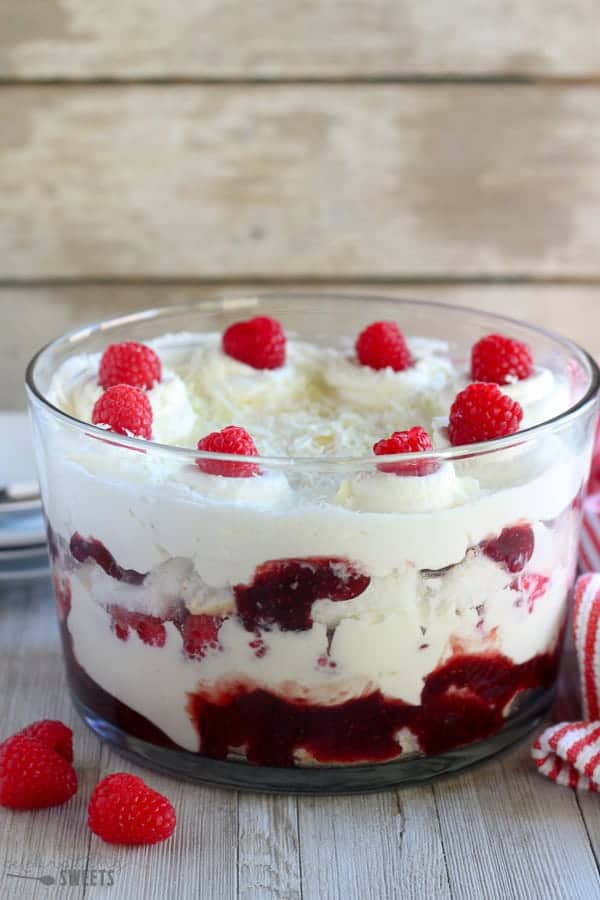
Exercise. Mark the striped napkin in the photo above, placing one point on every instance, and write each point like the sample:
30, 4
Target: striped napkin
569, 753
589, 548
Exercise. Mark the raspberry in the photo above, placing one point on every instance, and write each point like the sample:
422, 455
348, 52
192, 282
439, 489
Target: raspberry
149, 629
513, 548
381, 346
83, 549
259, 342
129, 363
414, 440
54, 734
482, 412
234, 440
500, 359
283, 591
126, 410
124, 810
33, 775
532, 586
199, 634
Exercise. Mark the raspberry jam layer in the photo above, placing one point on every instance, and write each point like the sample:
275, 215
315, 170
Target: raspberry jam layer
462, 702
283, 591
83, 549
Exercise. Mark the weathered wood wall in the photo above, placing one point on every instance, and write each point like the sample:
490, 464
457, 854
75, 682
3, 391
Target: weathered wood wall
151, 153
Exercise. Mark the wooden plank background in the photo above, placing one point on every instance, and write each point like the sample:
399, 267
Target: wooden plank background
443, 150
298, 38
201, 181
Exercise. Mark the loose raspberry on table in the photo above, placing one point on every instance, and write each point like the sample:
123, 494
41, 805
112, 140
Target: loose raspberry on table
258, 342
124, 810
125, 410
234, 440
54, 734
482, 412
33, 775
382, 345
129, 363
415, 440
500, 360
200, 633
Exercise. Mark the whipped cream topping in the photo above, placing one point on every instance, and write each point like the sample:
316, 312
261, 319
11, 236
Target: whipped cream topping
167, 508
388, 492
542, 396
75, 390
322, 402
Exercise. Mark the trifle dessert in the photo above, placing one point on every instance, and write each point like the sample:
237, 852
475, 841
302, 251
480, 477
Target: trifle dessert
298, 544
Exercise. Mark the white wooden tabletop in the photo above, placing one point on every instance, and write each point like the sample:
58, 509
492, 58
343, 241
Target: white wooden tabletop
497, 831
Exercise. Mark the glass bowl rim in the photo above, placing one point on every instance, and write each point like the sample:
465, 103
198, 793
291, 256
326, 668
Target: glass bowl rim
328, 462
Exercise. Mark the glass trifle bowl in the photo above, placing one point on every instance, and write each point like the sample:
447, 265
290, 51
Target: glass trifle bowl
351, 589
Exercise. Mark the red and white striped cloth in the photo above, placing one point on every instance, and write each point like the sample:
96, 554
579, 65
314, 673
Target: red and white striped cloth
569, 753
589, 547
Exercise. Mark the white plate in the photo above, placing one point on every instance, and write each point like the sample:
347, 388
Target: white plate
23, 553
16, 572
16, 459
22, 530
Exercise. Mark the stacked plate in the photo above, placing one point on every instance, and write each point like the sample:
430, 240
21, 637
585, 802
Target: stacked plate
23, 550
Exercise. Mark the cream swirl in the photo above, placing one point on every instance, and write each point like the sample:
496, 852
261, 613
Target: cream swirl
75, 390
389, 492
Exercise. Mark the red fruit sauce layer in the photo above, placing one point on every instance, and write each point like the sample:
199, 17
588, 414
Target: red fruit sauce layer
462, 702
83, 549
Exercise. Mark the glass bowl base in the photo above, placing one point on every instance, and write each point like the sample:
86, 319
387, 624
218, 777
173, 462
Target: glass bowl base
349, 779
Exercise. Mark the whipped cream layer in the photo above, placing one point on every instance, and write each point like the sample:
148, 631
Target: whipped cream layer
229, 532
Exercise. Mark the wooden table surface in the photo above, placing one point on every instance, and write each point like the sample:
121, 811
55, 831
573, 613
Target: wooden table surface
497, 831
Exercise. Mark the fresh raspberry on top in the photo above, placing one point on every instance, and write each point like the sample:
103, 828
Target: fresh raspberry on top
33, 775
482, 412
500, 359
124, 810
259, 342
129, 363
415, 440
54, 734
382, 345
125, 410
231, 439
